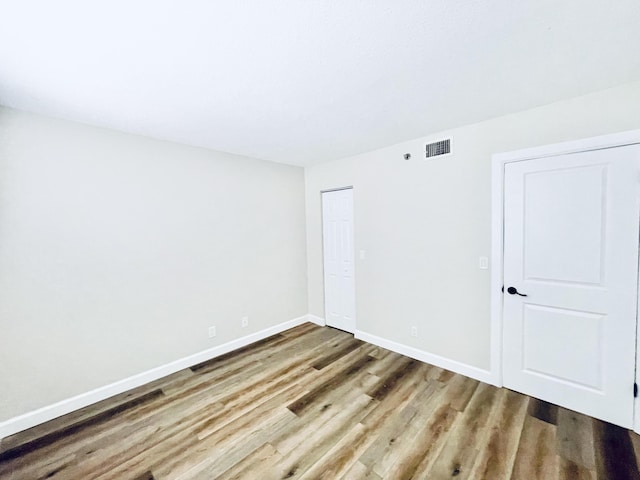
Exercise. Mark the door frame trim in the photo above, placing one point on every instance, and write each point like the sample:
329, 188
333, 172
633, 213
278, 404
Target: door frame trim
498, 162
336, 189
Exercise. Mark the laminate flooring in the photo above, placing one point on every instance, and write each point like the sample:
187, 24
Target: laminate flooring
314, 403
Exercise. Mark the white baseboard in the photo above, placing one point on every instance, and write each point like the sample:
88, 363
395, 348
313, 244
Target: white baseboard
317, 320
458, 367
44, 414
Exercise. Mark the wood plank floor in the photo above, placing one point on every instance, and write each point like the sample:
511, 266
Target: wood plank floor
313, 403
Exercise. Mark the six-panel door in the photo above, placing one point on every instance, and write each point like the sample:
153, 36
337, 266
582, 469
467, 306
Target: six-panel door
339, 286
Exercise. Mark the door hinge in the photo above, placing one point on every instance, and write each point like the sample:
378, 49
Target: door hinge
635, 390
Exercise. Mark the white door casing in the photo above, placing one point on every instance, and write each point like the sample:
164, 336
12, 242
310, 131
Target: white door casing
338, 251
571, 245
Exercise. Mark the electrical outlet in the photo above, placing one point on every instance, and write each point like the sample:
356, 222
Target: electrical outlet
414, 331
245, 322
212, 331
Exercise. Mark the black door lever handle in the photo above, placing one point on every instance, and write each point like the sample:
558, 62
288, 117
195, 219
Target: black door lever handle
514, 291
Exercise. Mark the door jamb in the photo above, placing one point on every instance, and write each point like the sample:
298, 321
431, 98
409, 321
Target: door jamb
498, 162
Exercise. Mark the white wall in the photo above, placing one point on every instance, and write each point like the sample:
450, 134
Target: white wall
117, 252
424, 223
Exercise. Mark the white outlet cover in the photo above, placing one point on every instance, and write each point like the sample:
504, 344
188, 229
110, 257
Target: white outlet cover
212, 332
483, 263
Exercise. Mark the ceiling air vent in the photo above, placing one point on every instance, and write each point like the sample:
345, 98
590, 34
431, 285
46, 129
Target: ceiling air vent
436, 149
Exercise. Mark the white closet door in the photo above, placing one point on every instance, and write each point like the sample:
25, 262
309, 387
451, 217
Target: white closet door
339, 286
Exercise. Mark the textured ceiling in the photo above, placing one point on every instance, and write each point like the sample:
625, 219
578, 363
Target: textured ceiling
304, 81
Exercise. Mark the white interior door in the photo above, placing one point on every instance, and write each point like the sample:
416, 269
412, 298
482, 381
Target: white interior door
571, 246
339, 285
